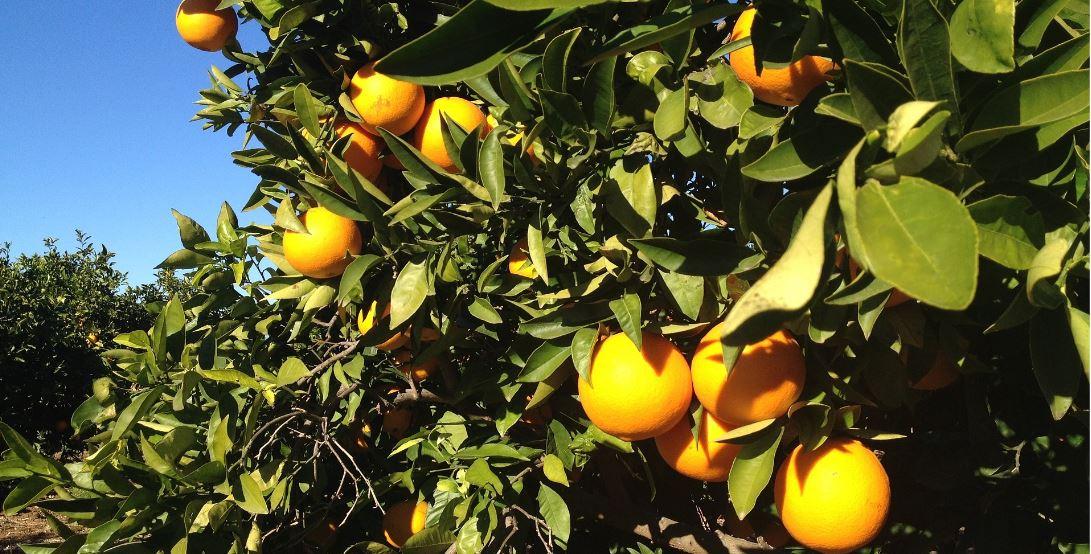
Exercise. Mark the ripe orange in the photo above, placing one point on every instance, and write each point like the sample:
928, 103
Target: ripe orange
385, 102
363, 150
419, 371
702, 459
766, 379
942, 374
636, 394
519, 261
396, 422
835, 498
403, 520
366, 321
204, 27
428, 136
786, 86
322, 534
360, 436
327, 247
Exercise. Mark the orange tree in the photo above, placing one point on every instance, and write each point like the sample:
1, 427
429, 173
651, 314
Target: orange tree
615, 276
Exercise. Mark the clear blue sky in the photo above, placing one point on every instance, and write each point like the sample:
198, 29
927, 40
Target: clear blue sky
96, 101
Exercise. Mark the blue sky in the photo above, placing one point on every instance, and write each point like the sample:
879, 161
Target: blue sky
96, 102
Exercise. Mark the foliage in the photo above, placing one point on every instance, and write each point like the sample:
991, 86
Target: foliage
57, 309
948, 159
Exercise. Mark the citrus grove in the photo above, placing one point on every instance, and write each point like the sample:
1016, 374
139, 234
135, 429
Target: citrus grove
597, 276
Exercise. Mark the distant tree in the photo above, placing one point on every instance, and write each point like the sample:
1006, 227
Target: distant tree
57, 310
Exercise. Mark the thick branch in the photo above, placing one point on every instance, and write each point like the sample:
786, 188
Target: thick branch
656, 528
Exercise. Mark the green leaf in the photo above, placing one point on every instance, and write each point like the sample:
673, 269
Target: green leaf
430, 540
189, 231
865, 286
686, 291
1039, 22
1046, 265
555, 60
562, 113
663, 27
838, 105
491, 450
876, 91
536, 252
553, 469
857, 33
483, 310
555, 512
921, 146
925, 49
983, 35
307, 109
635, 198
1056, 362
470, 43
803, 154
920, 239
247, 495
1010, 231
722, 98
409, 292
787, 287
544, 361
598, 95
692, 257
903, 120
627, 311
275, 143
292, 370
481, 475
490, 167
583, 348
751, 470
355, 271
1027, 105
759, 119
1081, 336
25, 493
670, 119
134, 412
546, 4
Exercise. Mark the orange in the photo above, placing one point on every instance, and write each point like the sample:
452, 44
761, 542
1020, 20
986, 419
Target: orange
204, 27
835, 498
363, 150
403, 520
322, 534
767, 378
428, 136
385, 102
366, 321
942, 374
702, 459
636, 394
786, 86
327, 247
419, 371
396, 422
361, 437
519, 261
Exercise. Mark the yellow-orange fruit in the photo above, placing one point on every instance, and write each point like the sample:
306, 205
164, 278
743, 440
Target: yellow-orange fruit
385, 102
941, 374
396, 422
361, 437
322, 534
786, 86
366, 321
636, 394
519, 261
327, 247
419, 371
703, 459
835, 498
767, 378
204, 27
428, 135
363, 151
403, 520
